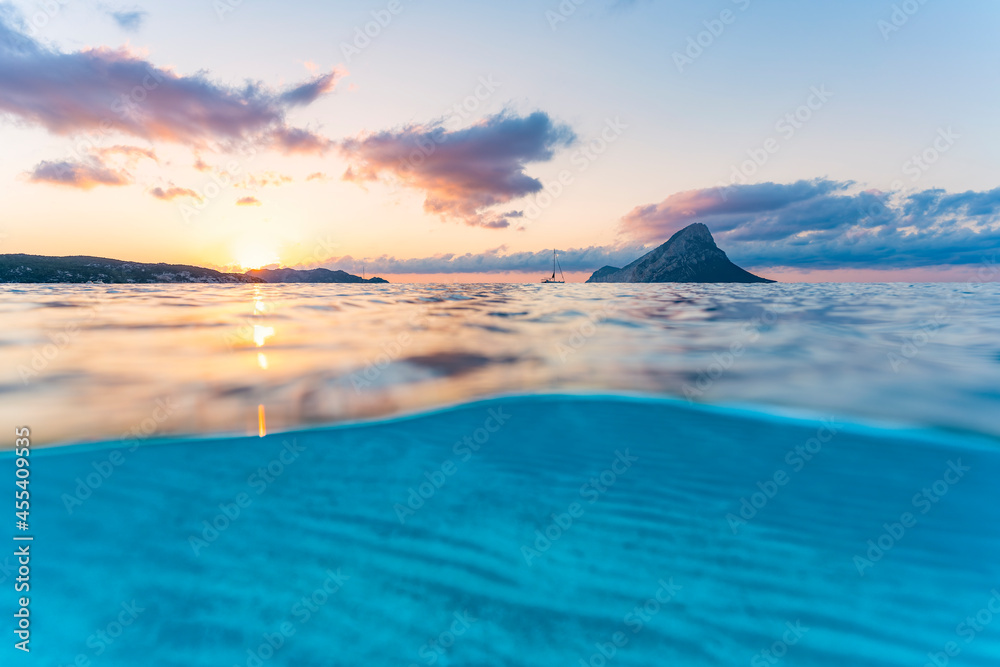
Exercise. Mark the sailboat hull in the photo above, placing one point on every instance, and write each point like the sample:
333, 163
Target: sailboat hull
553, 278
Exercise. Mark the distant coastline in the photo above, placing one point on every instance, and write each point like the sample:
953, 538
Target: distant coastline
43, 269
688, 256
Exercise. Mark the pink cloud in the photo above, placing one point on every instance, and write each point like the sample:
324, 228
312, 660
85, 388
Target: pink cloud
118, 90
465, 174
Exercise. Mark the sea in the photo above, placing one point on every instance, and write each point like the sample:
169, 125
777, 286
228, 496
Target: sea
502, 474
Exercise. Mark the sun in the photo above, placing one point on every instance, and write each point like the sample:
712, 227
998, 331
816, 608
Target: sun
254, 254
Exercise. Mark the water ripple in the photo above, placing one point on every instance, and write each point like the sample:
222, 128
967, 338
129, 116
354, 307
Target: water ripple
100, 357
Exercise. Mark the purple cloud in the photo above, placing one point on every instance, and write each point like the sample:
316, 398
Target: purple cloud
93, 169
105, 89
171, 193
292, 140
84, 174
309, 92
464, 173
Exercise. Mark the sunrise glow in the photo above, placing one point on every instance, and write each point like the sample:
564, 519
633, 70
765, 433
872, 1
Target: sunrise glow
254, 255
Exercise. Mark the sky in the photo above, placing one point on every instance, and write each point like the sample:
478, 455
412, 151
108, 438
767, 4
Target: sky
457, 141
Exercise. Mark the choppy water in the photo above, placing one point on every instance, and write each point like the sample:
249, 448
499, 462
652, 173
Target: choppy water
848, 518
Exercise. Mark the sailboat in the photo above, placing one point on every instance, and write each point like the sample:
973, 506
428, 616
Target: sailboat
555, 263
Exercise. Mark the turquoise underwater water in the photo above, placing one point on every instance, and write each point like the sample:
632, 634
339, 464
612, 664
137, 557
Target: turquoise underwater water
530, 530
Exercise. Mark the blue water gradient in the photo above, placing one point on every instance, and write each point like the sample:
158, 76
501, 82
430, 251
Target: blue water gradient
421, 541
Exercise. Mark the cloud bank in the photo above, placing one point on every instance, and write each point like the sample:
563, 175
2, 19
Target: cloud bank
465, 174
496, 260
824, 224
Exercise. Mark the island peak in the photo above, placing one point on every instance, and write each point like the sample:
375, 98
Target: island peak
689, 256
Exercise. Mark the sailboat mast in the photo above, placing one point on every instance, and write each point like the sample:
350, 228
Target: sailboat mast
553, 264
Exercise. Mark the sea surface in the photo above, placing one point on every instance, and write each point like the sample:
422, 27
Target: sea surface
507, 474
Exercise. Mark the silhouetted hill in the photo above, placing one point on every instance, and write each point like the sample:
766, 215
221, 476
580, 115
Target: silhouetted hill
310, 276
689, 256
43, 269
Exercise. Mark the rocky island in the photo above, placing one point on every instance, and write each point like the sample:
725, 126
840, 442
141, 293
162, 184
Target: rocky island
689, 256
